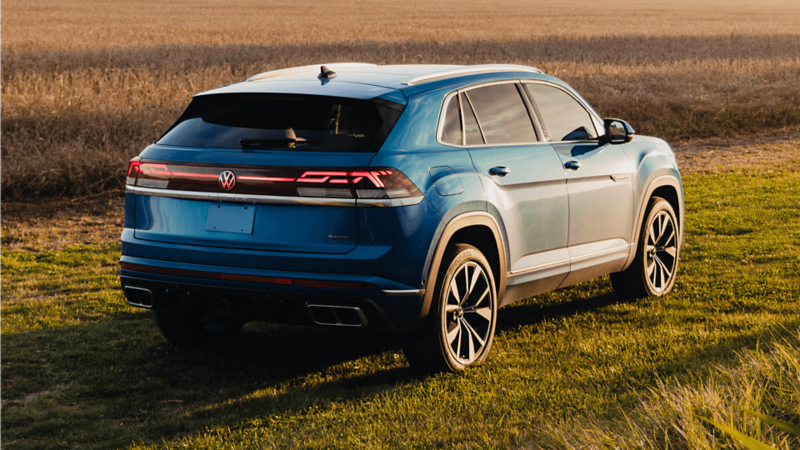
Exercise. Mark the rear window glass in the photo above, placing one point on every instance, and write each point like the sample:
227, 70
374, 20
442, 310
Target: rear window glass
502, 114
282, 122
451, 131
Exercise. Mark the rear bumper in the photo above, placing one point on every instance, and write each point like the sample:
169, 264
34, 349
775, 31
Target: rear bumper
266, 295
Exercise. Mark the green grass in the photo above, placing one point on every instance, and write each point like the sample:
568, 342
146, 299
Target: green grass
80, 368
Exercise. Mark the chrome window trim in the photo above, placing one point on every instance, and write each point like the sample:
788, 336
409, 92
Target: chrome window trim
274, 199
486, 68
596, 120
440, 124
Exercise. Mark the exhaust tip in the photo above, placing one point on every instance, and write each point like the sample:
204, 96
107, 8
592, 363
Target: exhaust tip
339, 316
139, 297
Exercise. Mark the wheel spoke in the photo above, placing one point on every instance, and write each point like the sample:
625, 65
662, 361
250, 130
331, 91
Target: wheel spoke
663, 267
662, 225
470, 345
485, 312
669, 238
450, 307
475, 276
460, 332
454, 290
653, 236
474, 333
453, 334
672, 251
474, 306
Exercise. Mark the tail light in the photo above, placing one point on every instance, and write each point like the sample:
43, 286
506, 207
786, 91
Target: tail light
360, 183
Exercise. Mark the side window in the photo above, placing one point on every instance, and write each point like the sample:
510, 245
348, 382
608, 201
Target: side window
471, 129
502, 114
563, 118
451, 128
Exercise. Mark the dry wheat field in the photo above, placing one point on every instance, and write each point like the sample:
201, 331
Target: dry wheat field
86, 84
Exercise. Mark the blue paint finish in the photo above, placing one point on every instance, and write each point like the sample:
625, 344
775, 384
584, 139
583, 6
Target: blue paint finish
446, 181
280, 228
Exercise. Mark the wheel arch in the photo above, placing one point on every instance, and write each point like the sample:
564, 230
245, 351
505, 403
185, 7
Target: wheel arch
477, 228
669, 188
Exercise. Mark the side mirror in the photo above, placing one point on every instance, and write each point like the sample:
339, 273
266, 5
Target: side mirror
617, 132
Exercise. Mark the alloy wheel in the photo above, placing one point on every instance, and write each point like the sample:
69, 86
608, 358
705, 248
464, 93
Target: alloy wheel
661, 250
468, 312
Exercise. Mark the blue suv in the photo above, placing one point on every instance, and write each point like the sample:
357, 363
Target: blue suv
415, 199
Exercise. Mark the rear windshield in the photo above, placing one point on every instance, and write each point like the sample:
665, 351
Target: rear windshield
283, 122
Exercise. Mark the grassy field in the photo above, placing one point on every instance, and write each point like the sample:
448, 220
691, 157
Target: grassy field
577, 368
87, 84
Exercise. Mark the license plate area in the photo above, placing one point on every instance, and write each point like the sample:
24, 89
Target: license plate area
231, 218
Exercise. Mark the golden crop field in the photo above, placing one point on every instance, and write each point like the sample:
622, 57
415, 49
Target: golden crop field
86, 84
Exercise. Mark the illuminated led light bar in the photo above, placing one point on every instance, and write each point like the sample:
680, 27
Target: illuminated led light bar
281, 281
365, 183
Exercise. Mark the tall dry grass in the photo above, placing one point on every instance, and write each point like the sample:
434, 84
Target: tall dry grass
678, 416
87, 84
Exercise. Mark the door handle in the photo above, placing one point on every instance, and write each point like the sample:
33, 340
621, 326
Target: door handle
499, 171
574, 165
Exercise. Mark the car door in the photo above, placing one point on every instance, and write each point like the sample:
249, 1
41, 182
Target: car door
599, 183
523, 178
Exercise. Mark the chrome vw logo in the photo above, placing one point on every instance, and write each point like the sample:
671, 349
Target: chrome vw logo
226, 180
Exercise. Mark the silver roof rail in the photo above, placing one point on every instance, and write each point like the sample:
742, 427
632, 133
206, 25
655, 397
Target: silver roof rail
470, 70
302, 69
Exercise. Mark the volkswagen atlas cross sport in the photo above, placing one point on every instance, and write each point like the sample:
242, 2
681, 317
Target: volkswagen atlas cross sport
415, 199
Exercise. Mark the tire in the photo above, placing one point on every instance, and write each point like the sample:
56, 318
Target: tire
655, 266
459, 329
184, 327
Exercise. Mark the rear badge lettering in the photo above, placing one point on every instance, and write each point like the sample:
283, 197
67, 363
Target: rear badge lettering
331, 236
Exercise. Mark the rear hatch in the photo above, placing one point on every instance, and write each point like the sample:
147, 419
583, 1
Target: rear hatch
278, 172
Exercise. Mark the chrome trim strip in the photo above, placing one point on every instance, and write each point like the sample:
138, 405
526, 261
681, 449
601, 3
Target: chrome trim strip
302, 69
540, 267
247, 198
275, 200
568, 261
621, 176
470, 70
388, 202
600, 253
404, 292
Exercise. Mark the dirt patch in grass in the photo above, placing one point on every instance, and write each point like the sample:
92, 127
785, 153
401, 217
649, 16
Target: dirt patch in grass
779, 149
55, 223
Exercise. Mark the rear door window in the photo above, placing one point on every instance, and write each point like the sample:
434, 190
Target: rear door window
282, 122
563, 118
502, 114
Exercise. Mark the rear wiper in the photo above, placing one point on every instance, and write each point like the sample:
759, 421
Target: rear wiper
282, 142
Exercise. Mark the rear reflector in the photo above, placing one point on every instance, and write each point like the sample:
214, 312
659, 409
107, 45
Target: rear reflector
365, 183
281, 281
